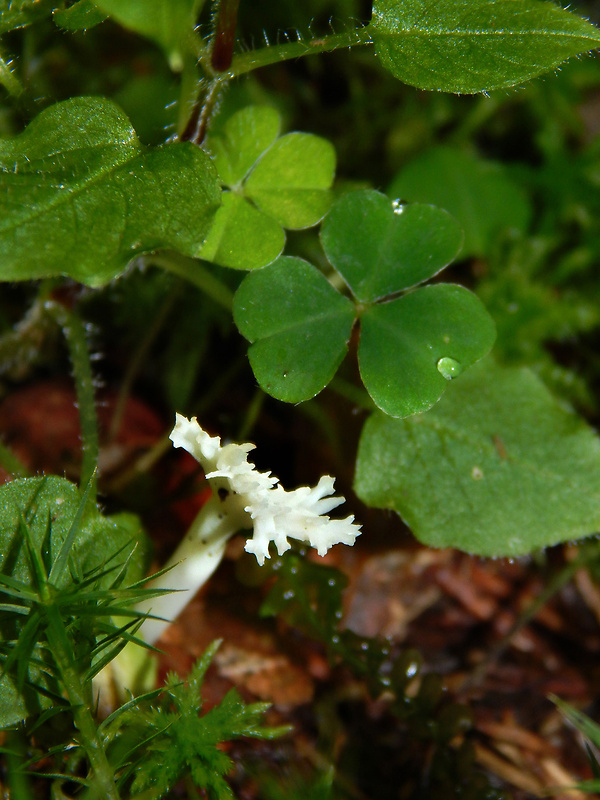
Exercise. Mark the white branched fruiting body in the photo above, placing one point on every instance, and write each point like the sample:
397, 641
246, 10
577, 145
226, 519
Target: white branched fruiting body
242, 498
274, 513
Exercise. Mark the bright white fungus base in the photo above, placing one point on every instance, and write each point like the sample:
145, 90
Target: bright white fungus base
242, 498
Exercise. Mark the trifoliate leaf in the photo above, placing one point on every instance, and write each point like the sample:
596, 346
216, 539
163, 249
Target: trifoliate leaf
379, 248
81, 197
497, 468
245, 137
275, 182
241, 236
291, 181
469, 46
411, 347
299, 325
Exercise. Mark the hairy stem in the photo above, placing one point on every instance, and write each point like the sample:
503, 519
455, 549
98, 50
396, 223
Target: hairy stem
246, 62
224, 36
79, 699
197, 125
8, 79
74, 334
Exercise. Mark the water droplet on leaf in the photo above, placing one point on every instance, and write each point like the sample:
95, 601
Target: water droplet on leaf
449, 367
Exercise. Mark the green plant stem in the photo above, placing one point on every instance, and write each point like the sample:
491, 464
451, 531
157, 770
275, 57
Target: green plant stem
64, 657
190, 88
74, 334
9, 80
197, 125
19, 786
354, 394
195, 272
246, 62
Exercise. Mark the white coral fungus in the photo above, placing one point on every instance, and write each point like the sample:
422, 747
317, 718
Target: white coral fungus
257, 500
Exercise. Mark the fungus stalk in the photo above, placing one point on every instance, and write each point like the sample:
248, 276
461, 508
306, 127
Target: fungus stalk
242, 498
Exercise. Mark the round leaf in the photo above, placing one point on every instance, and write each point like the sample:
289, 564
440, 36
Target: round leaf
292, 180
471, 46
299, 325
478, 193
380, 248
245, 137
80, 197
411, 347
241, 236
497, 468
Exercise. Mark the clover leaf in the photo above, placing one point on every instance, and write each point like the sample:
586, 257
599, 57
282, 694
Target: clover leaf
410, 345
300, 336
380, 248
81, 196
270, 182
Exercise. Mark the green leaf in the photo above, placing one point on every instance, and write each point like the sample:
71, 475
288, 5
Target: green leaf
411, 347
497, 468
19, 13
79, 17
241, 236
275, 183
292, 180
470, 46
180, 742
52, 504
379, 248
299, 325
245, 137
80, 197
37, 500
478, 193
170, 23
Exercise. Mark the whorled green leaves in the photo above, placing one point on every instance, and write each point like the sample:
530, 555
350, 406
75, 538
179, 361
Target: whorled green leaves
410, 345
81, 197
497, 468
470, 46
51, 509
271, 183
